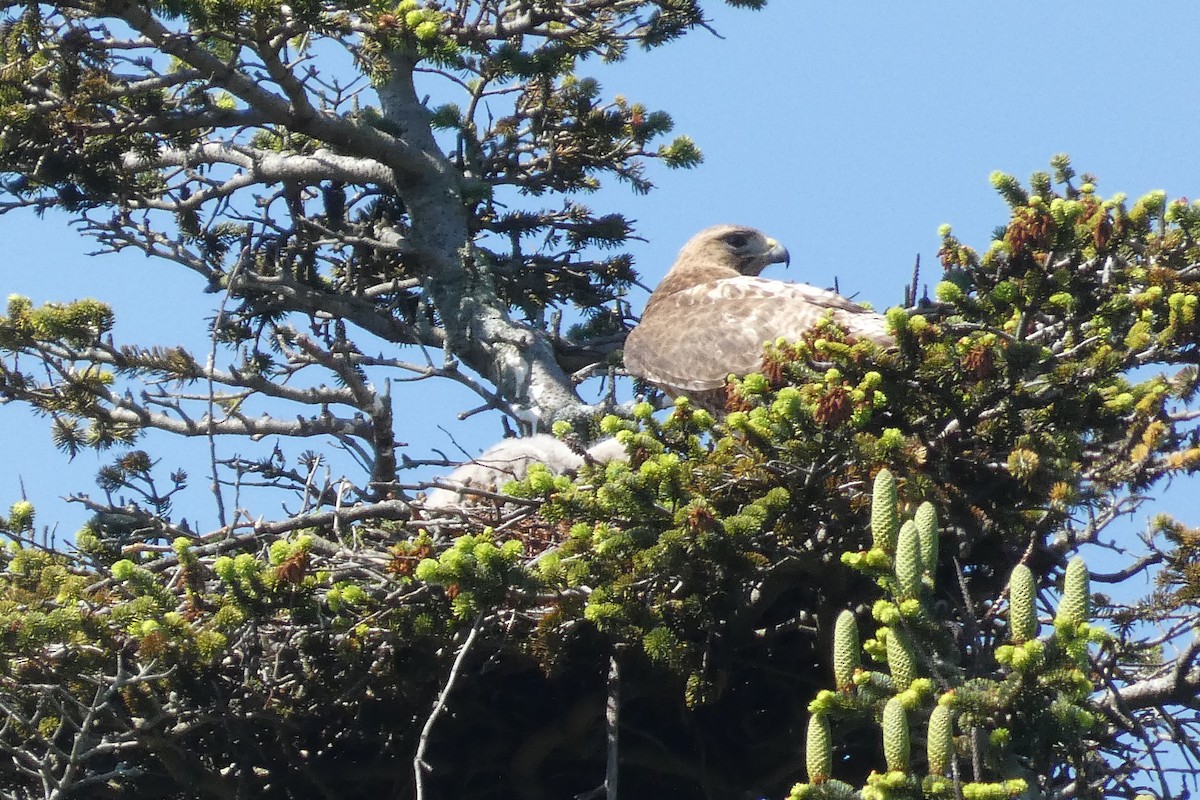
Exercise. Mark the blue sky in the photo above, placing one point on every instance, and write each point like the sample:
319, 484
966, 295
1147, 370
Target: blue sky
848, 131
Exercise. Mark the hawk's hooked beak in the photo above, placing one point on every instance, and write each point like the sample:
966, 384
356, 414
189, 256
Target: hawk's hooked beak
778, 254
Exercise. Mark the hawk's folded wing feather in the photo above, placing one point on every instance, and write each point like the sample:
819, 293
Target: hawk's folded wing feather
692, 340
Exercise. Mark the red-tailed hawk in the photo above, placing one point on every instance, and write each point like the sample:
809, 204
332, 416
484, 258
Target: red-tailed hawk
712, 314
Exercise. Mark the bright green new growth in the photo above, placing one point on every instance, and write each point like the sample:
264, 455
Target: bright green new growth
940, 741
895, 736
1073, 609
1022, 616
994, 791
846, 648
818, 749
926, 520
908, 562
885, 520
20, 516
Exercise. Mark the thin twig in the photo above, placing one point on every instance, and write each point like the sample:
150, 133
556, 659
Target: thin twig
612, 720
419, 765
212, 364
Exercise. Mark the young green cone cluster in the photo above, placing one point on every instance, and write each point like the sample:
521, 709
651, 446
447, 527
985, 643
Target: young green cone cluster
910, 643
901, 659
908, 562
846, 660
818, 749
1022, 617
926, 522
1073, 610
939, 742
885, 520
895, 736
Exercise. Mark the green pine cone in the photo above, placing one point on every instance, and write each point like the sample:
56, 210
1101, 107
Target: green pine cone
895, 736
846, 649
902, 664
1022, 616
908, 562
926, 520
818, 749
940, 744
885, 521
1073, 609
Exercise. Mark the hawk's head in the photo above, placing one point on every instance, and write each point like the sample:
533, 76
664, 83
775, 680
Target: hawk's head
747, 251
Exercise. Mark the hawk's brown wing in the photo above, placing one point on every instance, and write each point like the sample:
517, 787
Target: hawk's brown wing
692, 340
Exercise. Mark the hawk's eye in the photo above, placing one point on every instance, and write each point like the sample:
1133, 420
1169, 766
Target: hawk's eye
736, 240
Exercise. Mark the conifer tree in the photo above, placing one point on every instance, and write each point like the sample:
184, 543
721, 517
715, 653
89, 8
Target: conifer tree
864, 580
